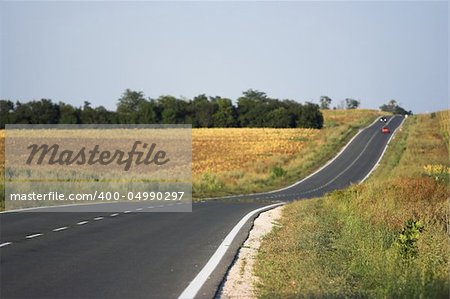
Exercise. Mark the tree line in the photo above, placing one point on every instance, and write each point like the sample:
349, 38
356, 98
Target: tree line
253, 109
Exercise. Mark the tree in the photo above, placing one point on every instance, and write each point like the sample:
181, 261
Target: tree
225, 116
147, 112
325, 102
203, 111
43, 111
394, 108
172, 110
103, 116
68, 114
351, 103
310, 117
128, 105
254, 109
87, 114
6, 113
279, 118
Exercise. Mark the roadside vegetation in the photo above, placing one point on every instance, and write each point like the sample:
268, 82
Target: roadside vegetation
386, 238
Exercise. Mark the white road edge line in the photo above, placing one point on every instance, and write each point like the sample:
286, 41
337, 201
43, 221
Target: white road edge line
98, 218
114, 215
126, 212
192, 289
60, 228
384, 150
139, 209
82, 222
5, 244
33, 236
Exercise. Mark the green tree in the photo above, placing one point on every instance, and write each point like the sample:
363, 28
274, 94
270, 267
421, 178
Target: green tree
43, 111
128, 105
279, 118
6, 112
252, 108
68, 114
225, 116
104, 116
147, 112
203, 111
351, 103
172, 110
325, 102
394, 108
310, 117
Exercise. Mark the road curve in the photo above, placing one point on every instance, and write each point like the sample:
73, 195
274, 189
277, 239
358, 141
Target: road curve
151, 255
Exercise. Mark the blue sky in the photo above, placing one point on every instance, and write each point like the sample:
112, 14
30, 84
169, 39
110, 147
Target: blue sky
93, 51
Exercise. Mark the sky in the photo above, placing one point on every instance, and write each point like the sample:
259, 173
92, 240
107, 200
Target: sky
92, 51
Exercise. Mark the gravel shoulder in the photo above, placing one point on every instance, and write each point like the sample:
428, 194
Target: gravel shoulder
240, 281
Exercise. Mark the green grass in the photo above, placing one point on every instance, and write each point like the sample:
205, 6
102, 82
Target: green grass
349, 243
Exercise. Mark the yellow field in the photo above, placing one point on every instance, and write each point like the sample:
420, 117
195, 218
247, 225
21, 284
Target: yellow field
220, 150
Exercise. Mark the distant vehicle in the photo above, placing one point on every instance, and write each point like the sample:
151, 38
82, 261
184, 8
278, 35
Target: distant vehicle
383, 119
385, 130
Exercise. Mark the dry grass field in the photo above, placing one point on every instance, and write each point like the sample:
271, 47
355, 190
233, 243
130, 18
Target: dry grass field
222, 150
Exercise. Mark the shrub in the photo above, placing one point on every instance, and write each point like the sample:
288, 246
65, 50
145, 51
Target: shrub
278, 171
407, 240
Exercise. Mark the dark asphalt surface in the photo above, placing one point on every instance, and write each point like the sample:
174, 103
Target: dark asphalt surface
149, 255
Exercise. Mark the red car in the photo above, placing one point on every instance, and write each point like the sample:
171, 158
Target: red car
385, 130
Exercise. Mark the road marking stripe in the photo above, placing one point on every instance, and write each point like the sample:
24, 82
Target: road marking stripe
98, 218
33, 236
126, 212
195, 285
5, 244
114, 215
60, 228
150, 207
139, 209
82, 222
161, 206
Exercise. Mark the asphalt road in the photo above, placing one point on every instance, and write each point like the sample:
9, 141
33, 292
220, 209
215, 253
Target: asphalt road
150, 255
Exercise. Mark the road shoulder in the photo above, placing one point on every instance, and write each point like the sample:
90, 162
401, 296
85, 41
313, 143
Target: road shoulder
239, 281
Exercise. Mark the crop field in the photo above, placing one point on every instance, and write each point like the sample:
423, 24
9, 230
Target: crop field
239, 160
221, 150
